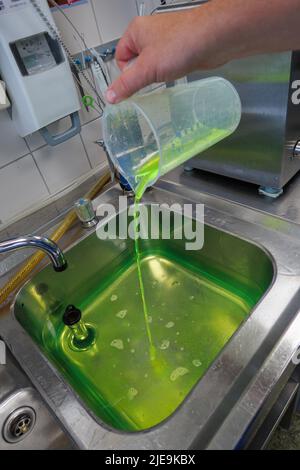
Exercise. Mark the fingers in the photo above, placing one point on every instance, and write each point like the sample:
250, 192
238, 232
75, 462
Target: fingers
125, 52
134, 77
127, 48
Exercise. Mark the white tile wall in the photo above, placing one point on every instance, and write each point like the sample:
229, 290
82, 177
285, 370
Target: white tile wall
113, 17
90, 133
30, 171
62, 165
83, 18
21, 186
11, 145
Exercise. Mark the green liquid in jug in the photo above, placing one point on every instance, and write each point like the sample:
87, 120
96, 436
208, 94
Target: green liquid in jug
173, 153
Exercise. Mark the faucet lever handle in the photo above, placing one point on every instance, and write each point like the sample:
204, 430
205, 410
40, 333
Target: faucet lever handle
85, 213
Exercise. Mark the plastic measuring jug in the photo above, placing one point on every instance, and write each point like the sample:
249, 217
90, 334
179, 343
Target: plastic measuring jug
148, 135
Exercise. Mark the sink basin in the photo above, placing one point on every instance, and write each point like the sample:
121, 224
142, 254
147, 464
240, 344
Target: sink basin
196, 300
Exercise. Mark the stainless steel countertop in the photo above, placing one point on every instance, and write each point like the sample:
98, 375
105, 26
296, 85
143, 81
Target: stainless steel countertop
286, 206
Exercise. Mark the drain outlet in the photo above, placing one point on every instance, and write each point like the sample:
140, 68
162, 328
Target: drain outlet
19, 424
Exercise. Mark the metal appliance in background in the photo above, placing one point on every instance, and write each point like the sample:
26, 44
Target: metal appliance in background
36, 70
265, 149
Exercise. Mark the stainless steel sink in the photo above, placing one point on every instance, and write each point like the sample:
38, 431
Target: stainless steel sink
196, 301
25, 421
253, 257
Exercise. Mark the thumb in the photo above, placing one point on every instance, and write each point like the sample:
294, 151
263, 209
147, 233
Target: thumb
138, 74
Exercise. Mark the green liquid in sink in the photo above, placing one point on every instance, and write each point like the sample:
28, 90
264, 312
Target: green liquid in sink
191, 317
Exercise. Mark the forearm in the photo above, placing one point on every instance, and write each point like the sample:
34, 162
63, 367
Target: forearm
168, 46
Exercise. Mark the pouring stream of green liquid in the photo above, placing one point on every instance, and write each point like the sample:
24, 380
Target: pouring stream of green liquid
174, 153
140, 277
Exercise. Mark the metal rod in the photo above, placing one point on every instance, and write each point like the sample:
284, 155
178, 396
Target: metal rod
178, 6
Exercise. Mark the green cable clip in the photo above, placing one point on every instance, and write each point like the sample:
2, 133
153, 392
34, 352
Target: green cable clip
88, 101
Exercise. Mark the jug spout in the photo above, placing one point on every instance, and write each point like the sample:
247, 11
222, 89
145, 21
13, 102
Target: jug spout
115, 175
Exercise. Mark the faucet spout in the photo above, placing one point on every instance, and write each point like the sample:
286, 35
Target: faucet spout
40, 243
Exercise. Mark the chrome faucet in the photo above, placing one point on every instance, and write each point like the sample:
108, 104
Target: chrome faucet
41, 243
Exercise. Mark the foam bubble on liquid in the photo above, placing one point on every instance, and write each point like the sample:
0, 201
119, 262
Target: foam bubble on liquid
132, 393
132, 351
165, 344
197, 363
117, 343
113, 298
192, 297
170, 324
149, 319
121, 314
179, 372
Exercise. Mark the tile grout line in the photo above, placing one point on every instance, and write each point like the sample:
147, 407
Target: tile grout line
41, 174
36, 148
86, 152
14, 161
96, 21
89, 122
